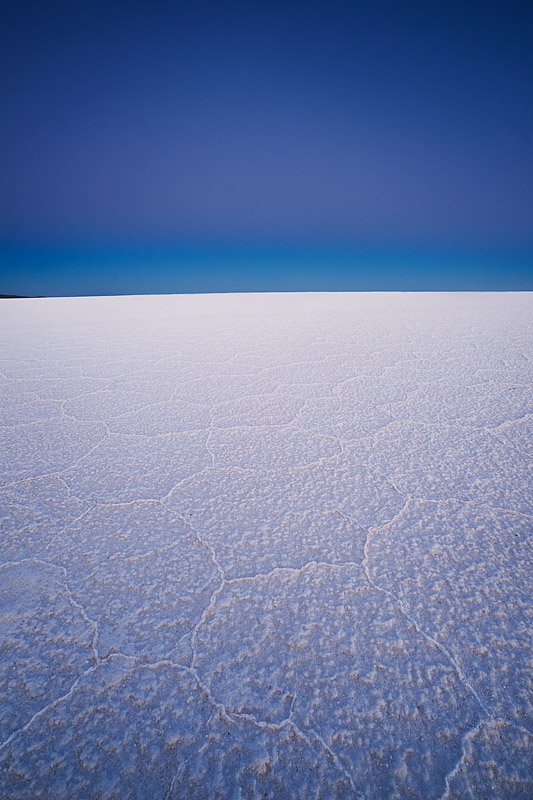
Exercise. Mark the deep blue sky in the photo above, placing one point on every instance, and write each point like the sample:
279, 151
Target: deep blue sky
244, 145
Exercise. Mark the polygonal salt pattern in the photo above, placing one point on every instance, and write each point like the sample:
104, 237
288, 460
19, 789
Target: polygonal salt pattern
47, 640
131, 467
266, 546
519, 434
212, 390
162, 418
464, 573
343, 418
442, 462
63, 389
322, 648
46, 447
271, 447
285, 517
22, 409
496, 763
146, 584
483, 405
242, 759
33, 513
104, 405
121, 731
257, 411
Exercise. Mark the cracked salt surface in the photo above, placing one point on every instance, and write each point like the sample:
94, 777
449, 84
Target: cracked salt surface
266, 546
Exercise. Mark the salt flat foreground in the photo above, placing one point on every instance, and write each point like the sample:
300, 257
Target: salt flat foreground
266, 546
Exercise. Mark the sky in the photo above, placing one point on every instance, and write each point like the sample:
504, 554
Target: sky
238, 146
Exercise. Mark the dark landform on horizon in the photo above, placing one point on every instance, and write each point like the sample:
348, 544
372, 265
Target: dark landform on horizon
21, 296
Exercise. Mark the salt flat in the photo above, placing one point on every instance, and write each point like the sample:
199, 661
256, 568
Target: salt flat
266, 546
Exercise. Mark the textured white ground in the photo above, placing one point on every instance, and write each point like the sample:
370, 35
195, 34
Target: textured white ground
266, 546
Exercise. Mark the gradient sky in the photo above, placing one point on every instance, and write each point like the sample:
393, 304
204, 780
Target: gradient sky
352, 132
